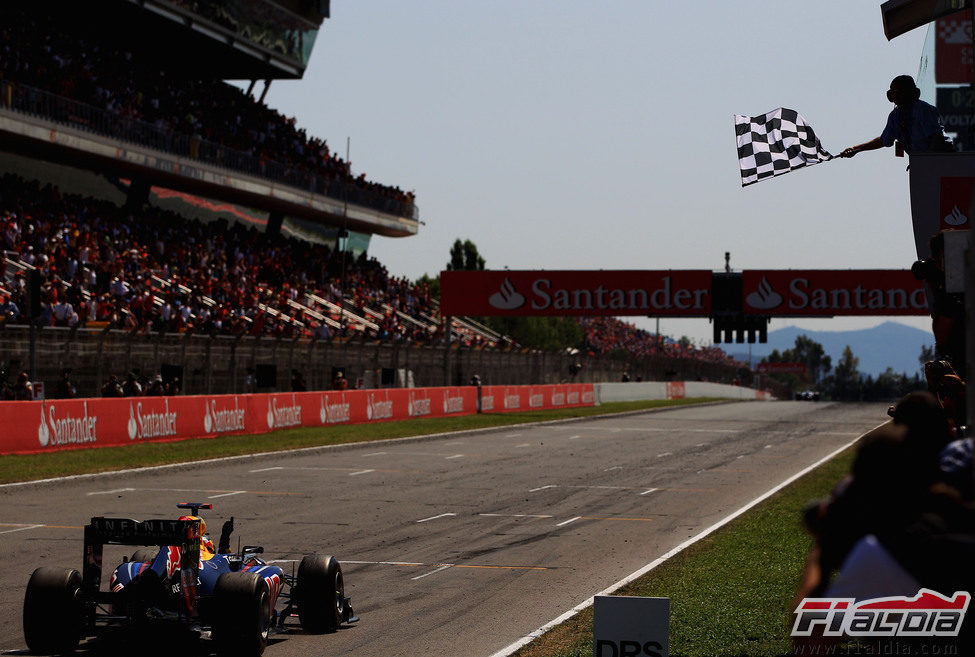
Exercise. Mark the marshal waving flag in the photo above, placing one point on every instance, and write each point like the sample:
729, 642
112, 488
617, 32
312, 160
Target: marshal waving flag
775, 143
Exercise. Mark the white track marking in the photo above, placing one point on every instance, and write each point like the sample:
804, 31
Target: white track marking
360, 472
455, 456
649, 490
236, 492
276, 467
21, 529
437, 570
535, 490
512, 515
111, 492
374, 454
364, 563
442, 515
660, 456
566, 522
525, 640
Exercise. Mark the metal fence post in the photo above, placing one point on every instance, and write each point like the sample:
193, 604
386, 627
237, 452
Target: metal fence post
208, 367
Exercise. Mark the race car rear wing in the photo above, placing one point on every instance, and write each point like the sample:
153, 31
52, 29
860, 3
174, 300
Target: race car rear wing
184, 534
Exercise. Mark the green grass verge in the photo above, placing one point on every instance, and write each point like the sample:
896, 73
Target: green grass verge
730, 593
16, 468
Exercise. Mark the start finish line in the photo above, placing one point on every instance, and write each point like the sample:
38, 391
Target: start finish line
683, 293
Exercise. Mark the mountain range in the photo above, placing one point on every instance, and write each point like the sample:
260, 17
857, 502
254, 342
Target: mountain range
888, 345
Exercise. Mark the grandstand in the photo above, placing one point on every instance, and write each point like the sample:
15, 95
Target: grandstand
139, 114
142, 194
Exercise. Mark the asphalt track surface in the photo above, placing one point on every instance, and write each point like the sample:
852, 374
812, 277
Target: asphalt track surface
460, 544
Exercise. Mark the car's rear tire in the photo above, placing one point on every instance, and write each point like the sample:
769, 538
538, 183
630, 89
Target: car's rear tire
320, 594
52, 610
242, 614
144, 555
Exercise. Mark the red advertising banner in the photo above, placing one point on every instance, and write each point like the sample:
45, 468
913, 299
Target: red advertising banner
953, 49
43, 426
781, 368
676, 390
827, 292
505, 399
676, 293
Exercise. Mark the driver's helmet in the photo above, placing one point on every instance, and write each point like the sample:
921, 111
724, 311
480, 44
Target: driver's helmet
206, 545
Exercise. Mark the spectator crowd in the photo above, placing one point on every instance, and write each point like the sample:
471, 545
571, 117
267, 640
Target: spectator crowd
603, 335
153, 270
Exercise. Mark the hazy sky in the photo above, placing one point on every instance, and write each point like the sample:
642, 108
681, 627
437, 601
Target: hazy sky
600, 135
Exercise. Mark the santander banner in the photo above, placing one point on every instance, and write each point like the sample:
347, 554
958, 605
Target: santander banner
44, 426
827, 292
684, 293
505, 399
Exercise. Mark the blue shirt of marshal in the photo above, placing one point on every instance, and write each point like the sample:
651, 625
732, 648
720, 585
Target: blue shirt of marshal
920, 132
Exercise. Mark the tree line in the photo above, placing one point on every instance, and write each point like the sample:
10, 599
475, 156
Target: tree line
843, 381
547, 333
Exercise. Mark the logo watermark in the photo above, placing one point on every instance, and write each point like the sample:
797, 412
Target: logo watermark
927, 614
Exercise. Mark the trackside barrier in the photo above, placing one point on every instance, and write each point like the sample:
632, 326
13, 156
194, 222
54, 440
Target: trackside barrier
44, 426
614, 392
504, 399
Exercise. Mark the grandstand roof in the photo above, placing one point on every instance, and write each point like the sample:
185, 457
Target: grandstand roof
245, 39
40, 139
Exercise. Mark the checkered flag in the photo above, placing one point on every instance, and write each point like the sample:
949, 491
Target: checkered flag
775, 143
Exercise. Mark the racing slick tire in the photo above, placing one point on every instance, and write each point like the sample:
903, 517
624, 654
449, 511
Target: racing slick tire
320, 594
242, 619
52, 610
144, 555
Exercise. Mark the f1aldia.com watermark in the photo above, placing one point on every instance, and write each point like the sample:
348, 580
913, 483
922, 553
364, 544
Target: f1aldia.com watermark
923, 624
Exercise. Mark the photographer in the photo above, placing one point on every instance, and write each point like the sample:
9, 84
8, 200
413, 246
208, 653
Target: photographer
23, 390
947, 309
950, 390
65, 389
6, 391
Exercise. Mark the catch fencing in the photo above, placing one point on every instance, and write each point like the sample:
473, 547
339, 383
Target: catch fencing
214, 365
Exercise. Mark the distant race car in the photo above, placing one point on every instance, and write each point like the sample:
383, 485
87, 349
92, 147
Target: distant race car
181, 583
807, 395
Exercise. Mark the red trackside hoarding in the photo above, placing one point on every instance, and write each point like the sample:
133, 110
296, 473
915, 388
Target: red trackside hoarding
683, 293
43, 426
506, 399
828, 292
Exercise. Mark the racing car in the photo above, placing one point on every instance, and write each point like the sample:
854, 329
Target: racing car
231, 598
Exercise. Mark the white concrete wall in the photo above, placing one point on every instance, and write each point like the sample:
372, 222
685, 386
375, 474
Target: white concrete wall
613, 392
